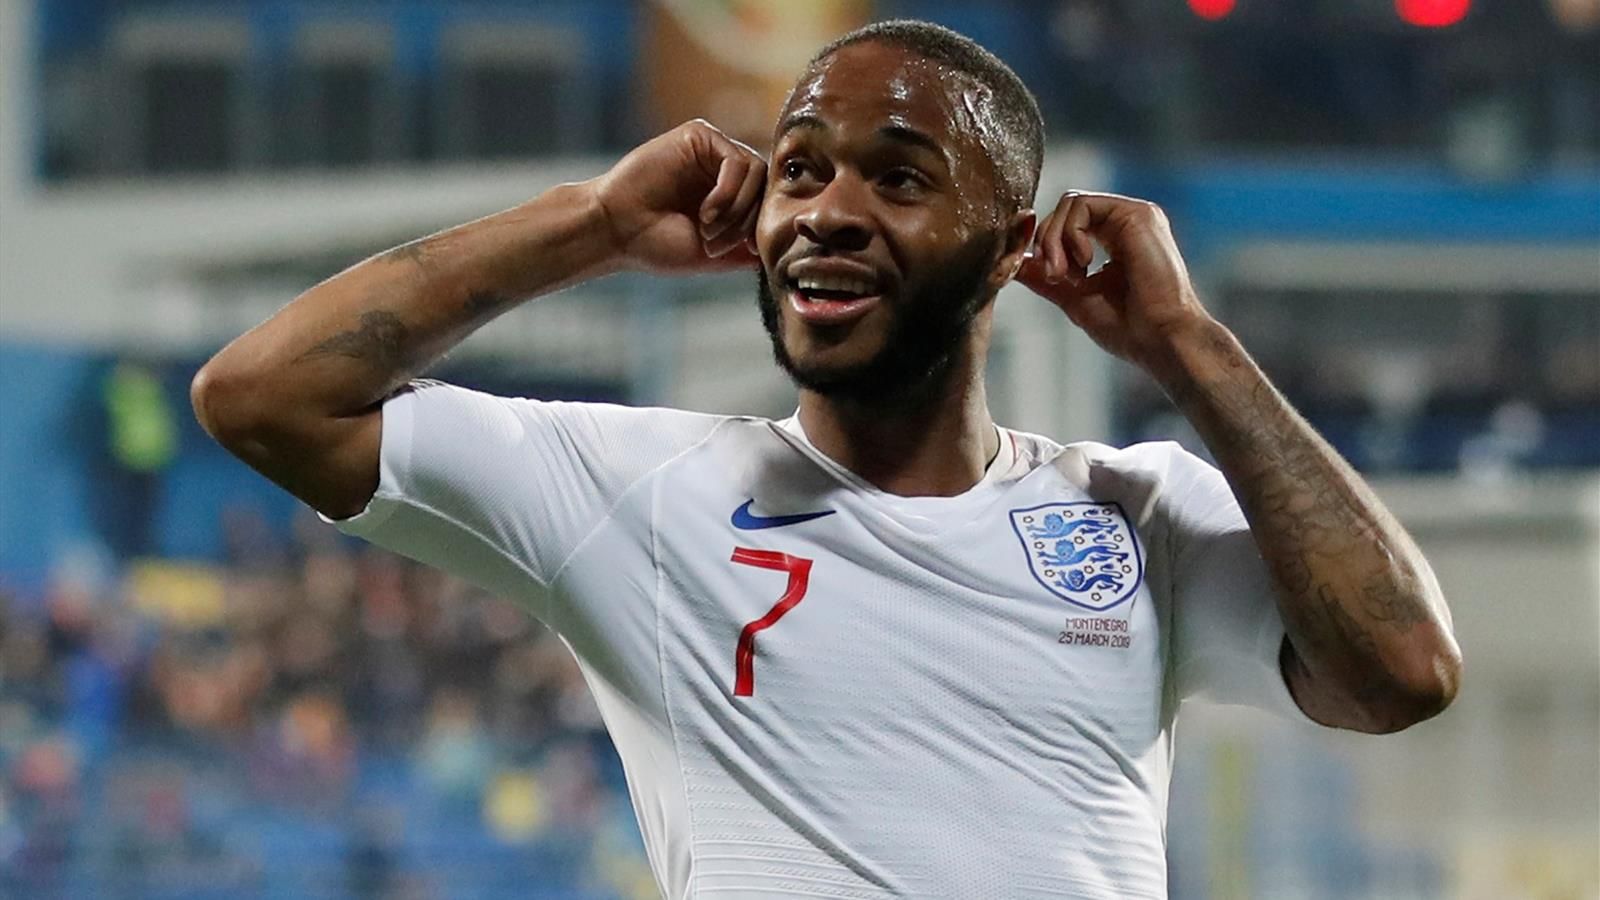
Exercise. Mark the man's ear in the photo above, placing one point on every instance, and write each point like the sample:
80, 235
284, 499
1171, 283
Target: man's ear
1016, 242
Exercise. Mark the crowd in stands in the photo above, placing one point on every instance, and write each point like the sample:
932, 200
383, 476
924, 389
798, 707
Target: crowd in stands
313, 718
1471, 386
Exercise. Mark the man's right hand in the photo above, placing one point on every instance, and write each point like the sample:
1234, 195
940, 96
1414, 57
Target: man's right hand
685, 201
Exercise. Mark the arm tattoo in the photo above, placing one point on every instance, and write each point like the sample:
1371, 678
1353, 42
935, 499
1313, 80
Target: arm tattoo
1351, 582
380, 339
1376, 683
1383, 603
1300, 499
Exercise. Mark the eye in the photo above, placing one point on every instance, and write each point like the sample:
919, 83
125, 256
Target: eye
902, 178
793, 169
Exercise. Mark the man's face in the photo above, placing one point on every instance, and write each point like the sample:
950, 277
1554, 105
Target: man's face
879, 231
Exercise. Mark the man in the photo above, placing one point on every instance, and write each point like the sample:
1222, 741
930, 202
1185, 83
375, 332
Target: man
883, 647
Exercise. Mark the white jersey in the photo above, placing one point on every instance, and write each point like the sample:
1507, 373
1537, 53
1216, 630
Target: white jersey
821, 689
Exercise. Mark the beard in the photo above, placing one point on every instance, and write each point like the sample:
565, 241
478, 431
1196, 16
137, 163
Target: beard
925, 329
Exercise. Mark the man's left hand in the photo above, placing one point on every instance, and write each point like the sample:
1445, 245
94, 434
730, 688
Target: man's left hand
1140, 300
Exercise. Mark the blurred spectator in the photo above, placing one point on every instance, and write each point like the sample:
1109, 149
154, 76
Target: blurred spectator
455, 755
307, 753
45, 782
140, 442
171, 730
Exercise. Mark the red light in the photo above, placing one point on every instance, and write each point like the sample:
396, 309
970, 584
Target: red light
1432, 13
1211, 9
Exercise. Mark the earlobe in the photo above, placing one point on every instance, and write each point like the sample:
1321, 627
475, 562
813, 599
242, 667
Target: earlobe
1018, 239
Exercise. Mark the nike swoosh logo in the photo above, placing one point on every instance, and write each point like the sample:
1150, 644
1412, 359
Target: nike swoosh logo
745, 520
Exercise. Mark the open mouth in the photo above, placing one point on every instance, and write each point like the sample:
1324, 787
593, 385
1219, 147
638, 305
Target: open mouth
832, 299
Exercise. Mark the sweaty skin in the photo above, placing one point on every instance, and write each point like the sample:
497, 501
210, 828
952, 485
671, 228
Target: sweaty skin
896, 181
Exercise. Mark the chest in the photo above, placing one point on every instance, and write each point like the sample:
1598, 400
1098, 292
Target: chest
842, 627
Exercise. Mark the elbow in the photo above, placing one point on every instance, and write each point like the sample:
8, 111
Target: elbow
1419, 689
1442, 681
221, 396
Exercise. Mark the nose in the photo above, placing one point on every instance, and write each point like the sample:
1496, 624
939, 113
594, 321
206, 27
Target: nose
837, 217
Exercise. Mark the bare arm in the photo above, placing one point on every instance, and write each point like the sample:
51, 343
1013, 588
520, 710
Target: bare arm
299, 396
1368, 645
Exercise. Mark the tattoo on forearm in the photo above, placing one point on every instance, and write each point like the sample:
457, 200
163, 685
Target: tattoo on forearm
380, 339
1376, 689
1376, 683
1300, 499
1330, 549
1384, 603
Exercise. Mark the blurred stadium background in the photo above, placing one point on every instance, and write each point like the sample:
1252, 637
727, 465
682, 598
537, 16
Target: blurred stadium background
205, 692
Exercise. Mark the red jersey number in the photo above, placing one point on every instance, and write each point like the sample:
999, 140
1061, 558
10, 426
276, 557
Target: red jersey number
744, 654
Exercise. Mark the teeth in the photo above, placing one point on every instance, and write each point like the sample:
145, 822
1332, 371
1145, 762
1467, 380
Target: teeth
857, 286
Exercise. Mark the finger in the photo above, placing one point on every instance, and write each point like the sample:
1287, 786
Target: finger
752, 215
739, 255
1076, 239
1055, 260
747, 201
1061, 264
731, 236
1110, 281
1114, 218
738, 161
730, 177
1085, 303
1034, 276
1090, 303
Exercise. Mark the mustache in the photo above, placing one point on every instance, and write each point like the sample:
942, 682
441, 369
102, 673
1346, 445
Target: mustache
926, 325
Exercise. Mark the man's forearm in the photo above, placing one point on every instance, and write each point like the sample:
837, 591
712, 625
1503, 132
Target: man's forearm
346, 343
1370, 645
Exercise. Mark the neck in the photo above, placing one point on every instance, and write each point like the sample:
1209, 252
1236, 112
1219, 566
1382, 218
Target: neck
934, 445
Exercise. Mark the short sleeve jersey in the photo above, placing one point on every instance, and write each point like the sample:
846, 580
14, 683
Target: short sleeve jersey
821, 689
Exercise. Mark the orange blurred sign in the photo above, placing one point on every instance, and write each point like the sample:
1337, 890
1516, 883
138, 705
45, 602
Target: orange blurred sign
733, 61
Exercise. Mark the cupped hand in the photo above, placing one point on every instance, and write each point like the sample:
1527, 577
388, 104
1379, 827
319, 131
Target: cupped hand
685, 201
1136, 303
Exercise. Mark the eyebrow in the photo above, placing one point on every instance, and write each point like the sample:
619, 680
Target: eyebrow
900, 134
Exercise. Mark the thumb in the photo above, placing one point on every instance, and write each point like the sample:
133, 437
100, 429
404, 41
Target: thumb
740, 256
1032, 274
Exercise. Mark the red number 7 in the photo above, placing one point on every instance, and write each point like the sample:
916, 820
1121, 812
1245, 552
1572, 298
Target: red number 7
744, 654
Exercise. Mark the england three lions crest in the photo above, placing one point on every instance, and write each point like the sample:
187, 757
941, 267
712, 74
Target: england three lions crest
1086, 553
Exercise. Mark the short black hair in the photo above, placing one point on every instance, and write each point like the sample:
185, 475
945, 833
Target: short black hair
1018, 150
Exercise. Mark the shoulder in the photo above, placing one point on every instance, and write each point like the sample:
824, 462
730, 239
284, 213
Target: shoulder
1160, 462
632, 419
439, 397
607, 443
1150, 479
